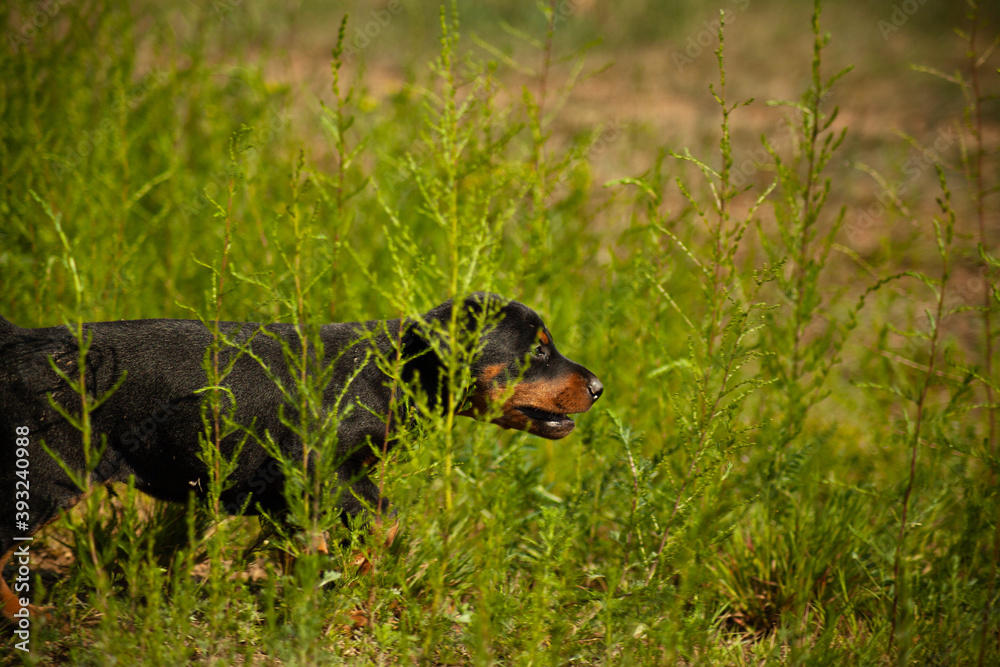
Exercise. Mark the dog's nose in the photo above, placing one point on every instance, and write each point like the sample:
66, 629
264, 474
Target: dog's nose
596, 388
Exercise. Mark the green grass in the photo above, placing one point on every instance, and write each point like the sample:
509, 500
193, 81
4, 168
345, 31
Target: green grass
795, 459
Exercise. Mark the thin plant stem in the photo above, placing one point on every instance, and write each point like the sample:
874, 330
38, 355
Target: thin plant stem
979, 195
935, 336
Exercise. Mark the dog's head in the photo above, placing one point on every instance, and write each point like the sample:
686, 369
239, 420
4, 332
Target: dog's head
516, 368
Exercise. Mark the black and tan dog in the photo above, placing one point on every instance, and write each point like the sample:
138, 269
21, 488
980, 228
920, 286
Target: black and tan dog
152, 422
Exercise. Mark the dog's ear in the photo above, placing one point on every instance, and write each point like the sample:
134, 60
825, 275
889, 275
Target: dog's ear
422, 347
425, 343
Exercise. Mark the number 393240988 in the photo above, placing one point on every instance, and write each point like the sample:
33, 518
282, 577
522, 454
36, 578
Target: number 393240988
21, 492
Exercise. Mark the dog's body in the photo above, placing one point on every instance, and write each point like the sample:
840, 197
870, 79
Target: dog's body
152, 421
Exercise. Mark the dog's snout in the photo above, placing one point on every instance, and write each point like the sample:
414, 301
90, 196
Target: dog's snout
595, 387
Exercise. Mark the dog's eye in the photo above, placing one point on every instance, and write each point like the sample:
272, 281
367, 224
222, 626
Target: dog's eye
539, 352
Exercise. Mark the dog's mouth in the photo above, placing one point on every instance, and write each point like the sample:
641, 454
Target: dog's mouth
552, 425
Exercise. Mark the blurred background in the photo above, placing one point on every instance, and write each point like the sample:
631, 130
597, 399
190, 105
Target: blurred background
637, 71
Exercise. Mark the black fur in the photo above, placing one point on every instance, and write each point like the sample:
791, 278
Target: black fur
153, 420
